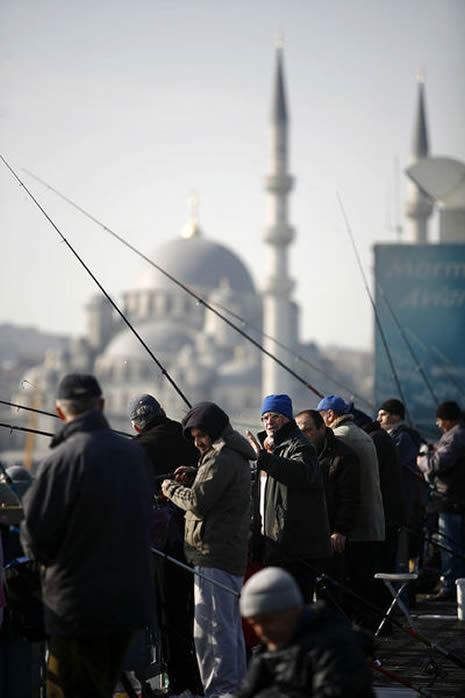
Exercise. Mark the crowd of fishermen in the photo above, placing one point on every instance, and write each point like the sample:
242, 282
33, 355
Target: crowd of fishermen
160, 531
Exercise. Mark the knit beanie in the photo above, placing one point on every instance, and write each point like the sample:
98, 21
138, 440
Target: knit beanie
143, 409
269, 591
278, 403
394, 406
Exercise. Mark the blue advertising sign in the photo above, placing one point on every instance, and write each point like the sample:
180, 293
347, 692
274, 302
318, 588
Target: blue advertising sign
425, 287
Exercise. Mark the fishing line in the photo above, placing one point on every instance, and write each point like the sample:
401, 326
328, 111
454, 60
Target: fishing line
93, 277
48, 414
418, 366
181, 285
370, 296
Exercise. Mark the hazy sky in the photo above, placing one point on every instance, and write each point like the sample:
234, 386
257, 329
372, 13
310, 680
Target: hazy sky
129, 107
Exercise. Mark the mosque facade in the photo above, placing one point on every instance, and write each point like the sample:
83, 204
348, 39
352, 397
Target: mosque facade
207, 358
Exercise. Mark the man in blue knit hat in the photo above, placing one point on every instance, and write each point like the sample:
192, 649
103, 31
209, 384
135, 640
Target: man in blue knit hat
294, 520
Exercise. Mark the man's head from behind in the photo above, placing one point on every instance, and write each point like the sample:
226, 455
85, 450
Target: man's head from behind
78, 393
144, 410
390, 413
272, 602
331, 408
276, 412
311, 423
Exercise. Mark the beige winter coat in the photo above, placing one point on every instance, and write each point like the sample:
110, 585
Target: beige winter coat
369, 524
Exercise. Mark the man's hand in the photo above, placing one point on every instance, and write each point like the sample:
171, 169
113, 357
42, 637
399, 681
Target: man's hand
253, 442
185, 475
338, 542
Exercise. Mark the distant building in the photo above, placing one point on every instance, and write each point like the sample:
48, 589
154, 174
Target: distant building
208, 359
424, 285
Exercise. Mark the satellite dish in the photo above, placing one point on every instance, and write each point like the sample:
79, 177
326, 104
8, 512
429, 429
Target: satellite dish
442, 179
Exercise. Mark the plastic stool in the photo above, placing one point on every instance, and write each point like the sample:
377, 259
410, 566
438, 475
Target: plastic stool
388, 579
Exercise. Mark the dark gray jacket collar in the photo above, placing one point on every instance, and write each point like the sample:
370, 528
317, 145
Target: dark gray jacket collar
89, 421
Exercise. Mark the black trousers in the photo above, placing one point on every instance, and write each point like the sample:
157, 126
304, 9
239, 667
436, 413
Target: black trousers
362, 560
85, 667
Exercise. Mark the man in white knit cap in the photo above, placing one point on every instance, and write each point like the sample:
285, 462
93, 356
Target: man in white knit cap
306, 650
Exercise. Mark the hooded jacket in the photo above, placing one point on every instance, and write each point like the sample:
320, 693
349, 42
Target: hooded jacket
87, 520
295, 519
217, 505
369, 524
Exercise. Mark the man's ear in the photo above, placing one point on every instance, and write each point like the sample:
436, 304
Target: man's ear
163, 412
60, 413
102, 404
136, 427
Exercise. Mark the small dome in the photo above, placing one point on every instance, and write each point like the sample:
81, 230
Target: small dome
161, 336
198, 263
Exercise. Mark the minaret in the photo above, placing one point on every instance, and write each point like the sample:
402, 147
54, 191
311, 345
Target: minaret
418, 207
279, 315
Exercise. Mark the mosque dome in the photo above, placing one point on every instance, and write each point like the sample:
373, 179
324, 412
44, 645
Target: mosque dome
198, 263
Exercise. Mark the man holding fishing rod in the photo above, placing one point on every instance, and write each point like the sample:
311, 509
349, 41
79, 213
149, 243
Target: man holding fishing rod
217, 519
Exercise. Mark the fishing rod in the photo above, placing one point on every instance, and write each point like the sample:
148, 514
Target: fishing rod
405, 628
444, 359
298, 357
181, 285
196, 573
48, 414
373, 304
376, 664
93, 277
122, 433
418, 366
14, 427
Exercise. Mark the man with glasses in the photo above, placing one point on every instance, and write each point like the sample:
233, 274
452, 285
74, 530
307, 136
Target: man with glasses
294, 520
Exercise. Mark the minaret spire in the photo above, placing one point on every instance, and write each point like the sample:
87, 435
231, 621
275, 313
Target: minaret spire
420, 146
418, 206
279, 313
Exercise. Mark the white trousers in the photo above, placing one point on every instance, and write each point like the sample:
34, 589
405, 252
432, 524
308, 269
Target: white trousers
218, 636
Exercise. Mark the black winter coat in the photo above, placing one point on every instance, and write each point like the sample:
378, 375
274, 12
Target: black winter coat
87, 520
325, 658
341, 477
390, 476
296, 520
166, 446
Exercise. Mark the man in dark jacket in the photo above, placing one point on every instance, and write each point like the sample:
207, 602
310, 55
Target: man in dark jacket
87, 521
390, 480
341, 476
163, 441
160, 436
217, 506
445, 469
391, 417
306, 650
295, 521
